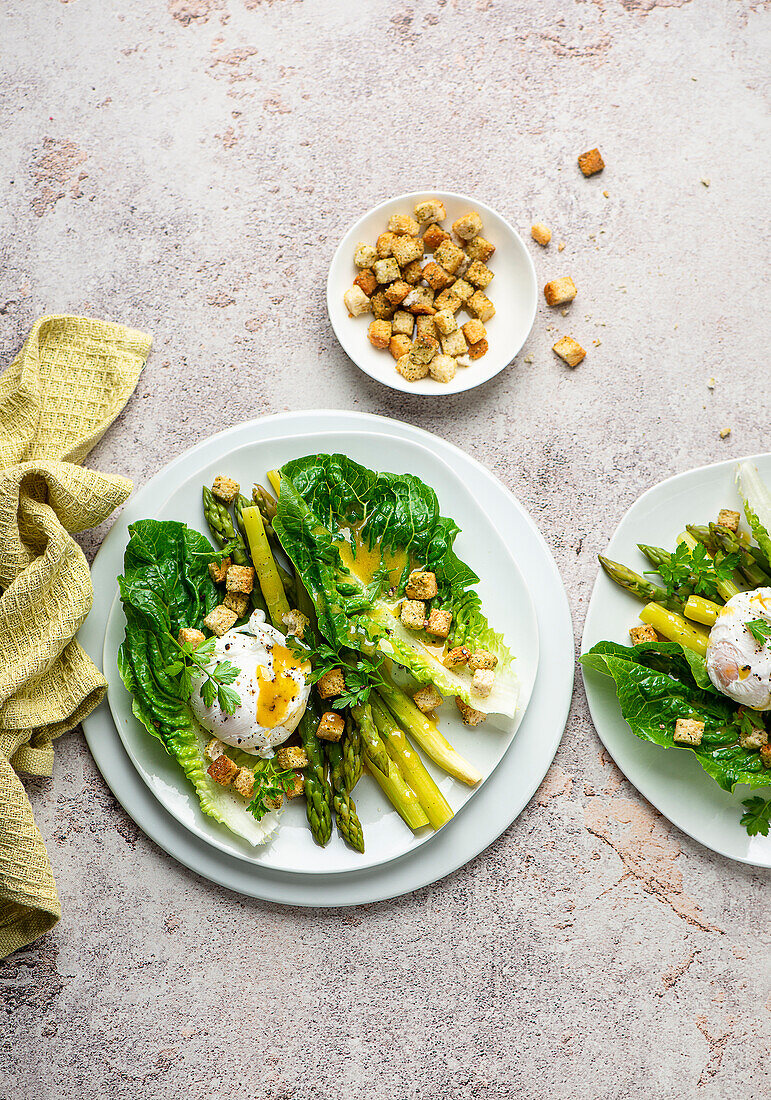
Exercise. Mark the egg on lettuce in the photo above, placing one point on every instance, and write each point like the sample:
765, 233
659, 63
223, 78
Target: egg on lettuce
738, 664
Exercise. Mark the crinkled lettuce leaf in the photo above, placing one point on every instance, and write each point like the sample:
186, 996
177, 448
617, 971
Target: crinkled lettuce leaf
324, 496
659, 682
757, 505
165, 586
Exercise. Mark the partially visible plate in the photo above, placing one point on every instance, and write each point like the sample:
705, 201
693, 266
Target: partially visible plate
670, 779
513, 292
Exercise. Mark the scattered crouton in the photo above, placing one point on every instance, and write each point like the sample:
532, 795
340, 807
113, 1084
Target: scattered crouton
434, 236
421, 585
364, 255
457, 657
427, 699
403, 323
403, 224
754, 738
479, 249
236, 602
482, 658
479, 275
367, 281
430, 210
410, 370
480, 306
424, 348
454, 343
420, 300
243, 782
384, 245
412, 273
570, 350
382, 309
289, 757
559, 291
331, 726
591, 162
477, 350
445, 322
462, 289
447, 299
407, 250
222, 770
449, 256
443, 368
225, 489
436, 276
439, 623
379, 334
474, 331
240, 579
220, 620
765, 755
397, 292
726, 517
218, 570
356, 301
399, 346
386, 270
295, 622
426, 326
688, 731
469, 226
482, 682
189, 635
214, 749
413, 614
470, 716
331, 684
296, 786
540, 233
642, 634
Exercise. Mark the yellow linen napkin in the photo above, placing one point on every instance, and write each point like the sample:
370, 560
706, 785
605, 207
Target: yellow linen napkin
66, 386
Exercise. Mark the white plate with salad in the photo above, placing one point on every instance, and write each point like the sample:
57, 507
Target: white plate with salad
677, 653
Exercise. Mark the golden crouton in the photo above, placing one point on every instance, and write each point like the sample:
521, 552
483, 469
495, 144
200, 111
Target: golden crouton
275, 803
295, 622
728, 518
426, 326
449, 256
331, 684
225, 489
688, 731
356, 301
240, 579
220, 620
754, 738
443, 368
559, 291
445, 322
457, 657
540, 233
448, 299
410, 370
570, 350
386, 270
382, 309
403, 323
399, 346
427, 699
439, 623
420, 300
482, 658
296, 787
474, 331
479, 275
421, 585
331, 726
413, 614
642, 634
288, 757
189, 635
434, 236
213, 749
222, 770
366, 281
406, 250
384, 245
379, 334
470, 225
470, 716
430, 210
765, 755
479, 249
480, 306
436, 276
412, 272
477, 350
403, 224
237, 602
590, 163
482, 682
454, 343
218, 570
397, 292
463, 290
424, 348
243, 782
364, 255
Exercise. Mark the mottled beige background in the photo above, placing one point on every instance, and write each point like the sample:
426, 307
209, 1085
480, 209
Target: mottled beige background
188, 167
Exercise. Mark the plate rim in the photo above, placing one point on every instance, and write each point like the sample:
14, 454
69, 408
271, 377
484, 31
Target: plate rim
593, 698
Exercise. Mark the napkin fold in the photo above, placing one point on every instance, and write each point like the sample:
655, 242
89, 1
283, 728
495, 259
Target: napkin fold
58, 397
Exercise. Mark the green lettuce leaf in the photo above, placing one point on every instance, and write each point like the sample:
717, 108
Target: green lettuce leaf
757, 506
165, 586
658, 683
323, 499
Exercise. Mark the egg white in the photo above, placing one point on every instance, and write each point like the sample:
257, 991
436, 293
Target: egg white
738, 665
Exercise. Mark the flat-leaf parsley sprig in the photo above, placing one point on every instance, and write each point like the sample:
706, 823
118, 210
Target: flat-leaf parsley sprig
760, 629
195, 660
270, 786
757, 815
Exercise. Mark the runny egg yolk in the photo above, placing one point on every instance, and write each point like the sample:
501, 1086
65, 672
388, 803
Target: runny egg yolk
276, 697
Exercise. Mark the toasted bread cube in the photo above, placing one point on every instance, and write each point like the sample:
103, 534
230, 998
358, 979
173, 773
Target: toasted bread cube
540, 233
409, 369
403, 323
463, 290
765, 755
220, 620
397, 292
240, 579
470, 716
688, 731
430, 210
590, 163
399, 346
214, 749
434, 236
356, 301
289, 757
382, 309
443, 368
189, 635
386, 270
243, 782
479, 275
474, 331
275, 803
479, 249
469, 226
454, 343
465, 264
477, 350
222, 770
424, 348
427, 699
449, 256
642, 634
413, 614
482, 682
436, 277
457, 657
446, 299
445, 322
420, 300
384, 245
406, 250
439, 623
403, 225
297, 786
480, 306
570, 350
295, 622
421, 585
364, 255
379, 334
412, 273
218, 570
426, 327
331, 684
366, 281
225, 489
559, 291
754, 739
482, 658
331, 726
236, 602
728, 518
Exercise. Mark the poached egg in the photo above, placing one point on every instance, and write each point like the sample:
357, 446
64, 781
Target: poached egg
272, 683
739, 665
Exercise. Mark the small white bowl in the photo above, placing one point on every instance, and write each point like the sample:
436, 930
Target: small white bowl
513, 293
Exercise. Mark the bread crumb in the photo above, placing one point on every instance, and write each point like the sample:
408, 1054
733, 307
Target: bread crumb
605, 195
540, 233
705, 182
711, 384
724, 433
561, 246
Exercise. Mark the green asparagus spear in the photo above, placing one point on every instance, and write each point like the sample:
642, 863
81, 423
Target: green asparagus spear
348, 824
221, 526
317, 791
265, 502
638, 586
438, 810
351, 745
372, 744
730, 543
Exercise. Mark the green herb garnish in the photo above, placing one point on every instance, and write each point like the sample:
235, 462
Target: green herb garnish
757, 815
269, 785
192, 660
760, 629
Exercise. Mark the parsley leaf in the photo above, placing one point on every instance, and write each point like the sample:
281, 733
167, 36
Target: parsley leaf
757, 815
270, 786
760, 629
214, 685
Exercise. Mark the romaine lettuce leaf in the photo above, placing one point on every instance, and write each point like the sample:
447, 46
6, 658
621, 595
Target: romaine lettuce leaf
757, 505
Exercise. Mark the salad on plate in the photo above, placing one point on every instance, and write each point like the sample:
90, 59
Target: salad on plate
316, 642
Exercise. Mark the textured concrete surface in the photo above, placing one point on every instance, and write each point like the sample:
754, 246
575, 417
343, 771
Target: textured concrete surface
187, 167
